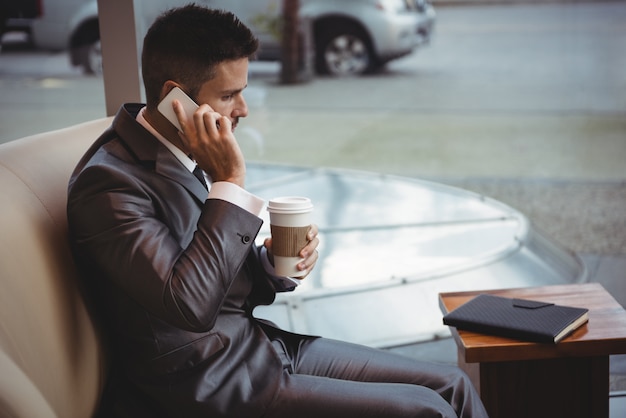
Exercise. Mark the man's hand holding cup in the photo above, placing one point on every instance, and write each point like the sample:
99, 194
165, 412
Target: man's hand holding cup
294, 241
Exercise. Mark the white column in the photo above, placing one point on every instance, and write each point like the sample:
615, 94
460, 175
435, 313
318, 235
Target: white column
120, 59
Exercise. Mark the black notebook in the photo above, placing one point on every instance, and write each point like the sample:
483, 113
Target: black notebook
517, 318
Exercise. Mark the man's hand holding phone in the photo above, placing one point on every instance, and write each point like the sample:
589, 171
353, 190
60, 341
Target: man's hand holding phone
208, 137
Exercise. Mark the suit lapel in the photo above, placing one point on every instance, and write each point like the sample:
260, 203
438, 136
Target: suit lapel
151, 153
169, 166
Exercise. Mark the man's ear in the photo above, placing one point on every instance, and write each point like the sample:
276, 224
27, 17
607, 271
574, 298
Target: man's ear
167, 87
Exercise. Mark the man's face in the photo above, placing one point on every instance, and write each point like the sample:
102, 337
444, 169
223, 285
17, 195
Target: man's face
224, 92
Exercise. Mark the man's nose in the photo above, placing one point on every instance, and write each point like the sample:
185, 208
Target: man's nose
241, 110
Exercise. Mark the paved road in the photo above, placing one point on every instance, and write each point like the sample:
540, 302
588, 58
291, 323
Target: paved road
538, 90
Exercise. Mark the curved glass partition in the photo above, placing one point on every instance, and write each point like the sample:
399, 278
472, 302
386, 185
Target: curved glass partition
389, 245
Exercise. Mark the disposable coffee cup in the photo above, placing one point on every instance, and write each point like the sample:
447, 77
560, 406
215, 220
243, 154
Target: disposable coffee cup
290, 220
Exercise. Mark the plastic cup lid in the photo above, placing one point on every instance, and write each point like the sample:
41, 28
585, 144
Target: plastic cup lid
290, 204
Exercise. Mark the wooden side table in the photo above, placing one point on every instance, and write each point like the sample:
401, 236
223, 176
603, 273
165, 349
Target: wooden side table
524, 379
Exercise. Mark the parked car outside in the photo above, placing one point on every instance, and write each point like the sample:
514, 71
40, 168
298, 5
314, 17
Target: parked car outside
347, 37
70, 25
17, 15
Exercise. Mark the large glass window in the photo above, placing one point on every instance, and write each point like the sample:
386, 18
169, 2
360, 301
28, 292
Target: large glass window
515, 92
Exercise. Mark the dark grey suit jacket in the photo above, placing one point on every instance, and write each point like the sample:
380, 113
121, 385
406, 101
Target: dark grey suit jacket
176, 277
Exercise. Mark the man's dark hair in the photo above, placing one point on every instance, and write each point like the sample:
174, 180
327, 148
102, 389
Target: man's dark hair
185, 44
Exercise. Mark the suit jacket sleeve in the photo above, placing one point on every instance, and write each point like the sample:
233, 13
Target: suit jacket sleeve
175, 255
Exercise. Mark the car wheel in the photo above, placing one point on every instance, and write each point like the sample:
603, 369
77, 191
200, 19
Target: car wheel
93, 58
343, 52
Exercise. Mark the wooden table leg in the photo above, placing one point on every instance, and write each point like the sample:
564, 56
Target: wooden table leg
563, 387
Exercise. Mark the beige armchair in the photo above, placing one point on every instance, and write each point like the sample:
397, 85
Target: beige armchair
51, 361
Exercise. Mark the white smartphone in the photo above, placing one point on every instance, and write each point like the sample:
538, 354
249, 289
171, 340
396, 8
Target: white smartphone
166, 109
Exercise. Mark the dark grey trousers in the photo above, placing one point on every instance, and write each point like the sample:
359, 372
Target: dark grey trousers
328, 378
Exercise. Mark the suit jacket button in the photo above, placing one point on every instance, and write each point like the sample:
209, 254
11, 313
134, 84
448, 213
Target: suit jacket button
245, 239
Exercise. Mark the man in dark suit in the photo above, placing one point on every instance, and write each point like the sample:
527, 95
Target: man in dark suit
176, 273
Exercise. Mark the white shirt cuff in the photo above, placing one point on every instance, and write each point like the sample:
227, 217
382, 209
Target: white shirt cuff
236, 195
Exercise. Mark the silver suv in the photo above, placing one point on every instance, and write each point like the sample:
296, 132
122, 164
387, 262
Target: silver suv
348, 37
71, 25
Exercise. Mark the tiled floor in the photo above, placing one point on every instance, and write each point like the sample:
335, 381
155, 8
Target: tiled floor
617, 405
610, 271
